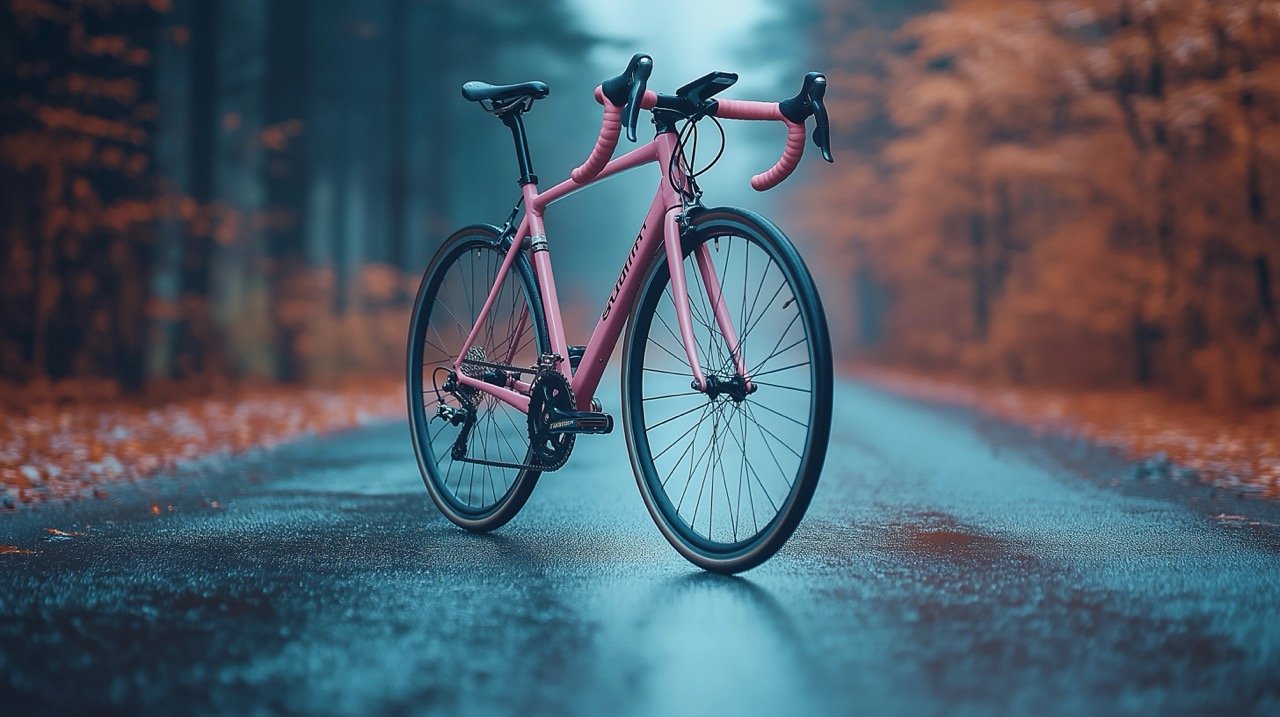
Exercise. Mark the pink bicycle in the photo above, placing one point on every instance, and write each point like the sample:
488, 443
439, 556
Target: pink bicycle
726, 376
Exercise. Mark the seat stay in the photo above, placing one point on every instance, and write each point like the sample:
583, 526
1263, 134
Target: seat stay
512, 252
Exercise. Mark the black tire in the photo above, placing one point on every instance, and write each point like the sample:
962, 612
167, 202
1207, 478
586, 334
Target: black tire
656, 379
449, 298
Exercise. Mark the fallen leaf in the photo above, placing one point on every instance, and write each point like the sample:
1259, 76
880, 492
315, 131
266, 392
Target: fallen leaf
15, 550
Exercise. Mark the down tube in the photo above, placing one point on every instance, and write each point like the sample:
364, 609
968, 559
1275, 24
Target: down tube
605, 336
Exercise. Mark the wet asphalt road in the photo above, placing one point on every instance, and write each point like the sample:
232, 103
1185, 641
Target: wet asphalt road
947, 566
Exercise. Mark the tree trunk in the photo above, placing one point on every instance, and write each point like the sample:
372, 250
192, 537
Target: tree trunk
436, 87
397, 134
286, 103
194, 337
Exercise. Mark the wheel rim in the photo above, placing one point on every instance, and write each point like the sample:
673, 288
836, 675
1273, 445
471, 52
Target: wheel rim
510, 334
724, 471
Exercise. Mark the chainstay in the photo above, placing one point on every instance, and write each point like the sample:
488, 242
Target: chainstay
500, 367
520, 466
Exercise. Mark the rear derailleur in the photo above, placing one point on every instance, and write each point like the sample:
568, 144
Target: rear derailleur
464, 414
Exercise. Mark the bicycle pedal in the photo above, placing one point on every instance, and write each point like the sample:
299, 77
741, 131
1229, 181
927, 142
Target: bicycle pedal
593, 422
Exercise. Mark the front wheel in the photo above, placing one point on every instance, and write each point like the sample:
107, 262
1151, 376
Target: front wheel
728, 475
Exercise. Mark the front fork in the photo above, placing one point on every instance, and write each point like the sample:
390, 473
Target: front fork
684, 311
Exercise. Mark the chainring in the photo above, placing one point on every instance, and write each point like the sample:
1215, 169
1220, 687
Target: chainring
549, 389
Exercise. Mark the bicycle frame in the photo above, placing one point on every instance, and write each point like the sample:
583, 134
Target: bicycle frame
660, 227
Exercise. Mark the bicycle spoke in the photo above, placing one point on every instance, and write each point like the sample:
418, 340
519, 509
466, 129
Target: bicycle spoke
775, 385
771, 433
680, 459
672, 395
754, 374
669, 353
437, 347
756, 474
724, 482
774, 350
702, 484
678, 415
782, 415
743, 466
671, 373
746, 319
692, 467
672, 444
752, 325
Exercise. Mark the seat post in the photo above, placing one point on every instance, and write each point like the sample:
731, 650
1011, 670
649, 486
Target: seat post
516, 123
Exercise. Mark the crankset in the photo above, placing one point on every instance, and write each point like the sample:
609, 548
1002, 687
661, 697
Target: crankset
553, 419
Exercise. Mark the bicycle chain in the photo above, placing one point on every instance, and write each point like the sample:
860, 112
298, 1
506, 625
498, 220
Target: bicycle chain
543, 375
517, 370
507, 464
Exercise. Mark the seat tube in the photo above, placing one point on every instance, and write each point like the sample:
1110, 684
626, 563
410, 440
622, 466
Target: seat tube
515, 122
540, 255
537, 238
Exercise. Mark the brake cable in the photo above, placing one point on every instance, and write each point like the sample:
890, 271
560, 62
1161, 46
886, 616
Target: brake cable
688, 137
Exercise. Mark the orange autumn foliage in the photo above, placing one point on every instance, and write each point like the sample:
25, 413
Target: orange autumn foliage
56, 443
1083, 193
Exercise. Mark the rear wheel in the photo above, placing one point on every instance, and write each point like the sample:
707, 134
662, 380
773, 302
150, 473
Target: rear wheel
474, 496
727, 477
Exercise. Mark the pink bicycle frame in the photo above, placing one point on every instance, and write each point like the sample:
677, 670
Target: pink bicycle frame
660, 228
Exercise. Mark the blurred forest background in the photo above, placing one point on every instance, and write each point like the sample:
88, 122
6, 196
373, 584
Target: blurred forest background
1067, 193
196, 191
1071, 193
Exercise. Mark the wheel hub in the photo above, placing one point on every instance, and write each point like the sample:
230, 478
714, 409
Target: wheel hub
734, 387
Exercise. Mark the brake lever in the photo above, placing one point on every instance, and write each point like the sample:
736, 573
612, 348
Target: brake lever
642, 68
821, 126
627, 90
809, 102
